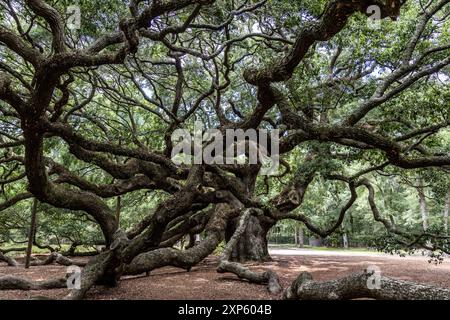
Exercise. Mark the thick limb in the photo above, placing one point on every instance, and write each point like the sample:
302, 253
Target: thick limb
59, 259
9, 260
358, 285
185, 259
17, 283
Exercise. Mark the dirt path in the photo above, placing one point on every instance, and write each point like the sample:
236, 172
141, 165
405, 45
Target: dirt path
203, 282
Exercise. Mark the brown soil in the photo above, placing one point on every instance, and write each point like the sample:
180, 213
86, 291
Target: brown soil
203, 282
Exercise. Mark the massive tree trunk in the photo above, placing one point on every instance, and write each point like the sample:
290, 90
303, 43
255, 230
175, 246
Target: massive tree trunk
253, 245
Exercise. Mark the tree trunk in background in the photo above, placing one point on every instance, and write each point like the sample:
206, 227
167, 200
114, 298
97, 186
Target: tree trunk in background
252, 246
344, 236
296, 236
31, 233
423, 205
345, 240
118, 209
446, 209
301, 237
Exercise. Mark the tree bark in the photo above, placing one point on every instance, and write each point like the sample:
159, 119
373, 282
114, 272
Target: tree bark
357, 286
253, 245
31, 233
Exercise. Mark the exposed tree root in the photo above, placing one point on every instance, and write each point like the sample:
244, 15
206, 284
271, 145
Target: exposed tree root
17, 283
269, 277
359, 285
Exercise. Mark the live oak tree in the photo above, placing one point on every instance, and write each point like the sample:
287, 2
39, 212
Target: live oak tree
88, 112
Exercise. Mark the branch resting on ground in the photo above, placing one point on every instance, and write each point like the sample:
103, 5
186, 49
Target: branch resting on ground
17, 283
356, 286
59, 259
268, 277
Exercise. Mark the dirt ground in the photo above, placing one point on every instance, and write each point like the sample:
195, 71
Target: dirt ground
203, 282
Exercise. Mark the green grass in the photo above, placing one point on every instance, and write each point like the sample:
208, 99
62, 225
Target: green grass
35, 249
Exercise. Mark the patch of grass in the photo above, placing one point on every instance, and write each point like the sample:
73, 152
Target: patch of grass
292, 246
36, 250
